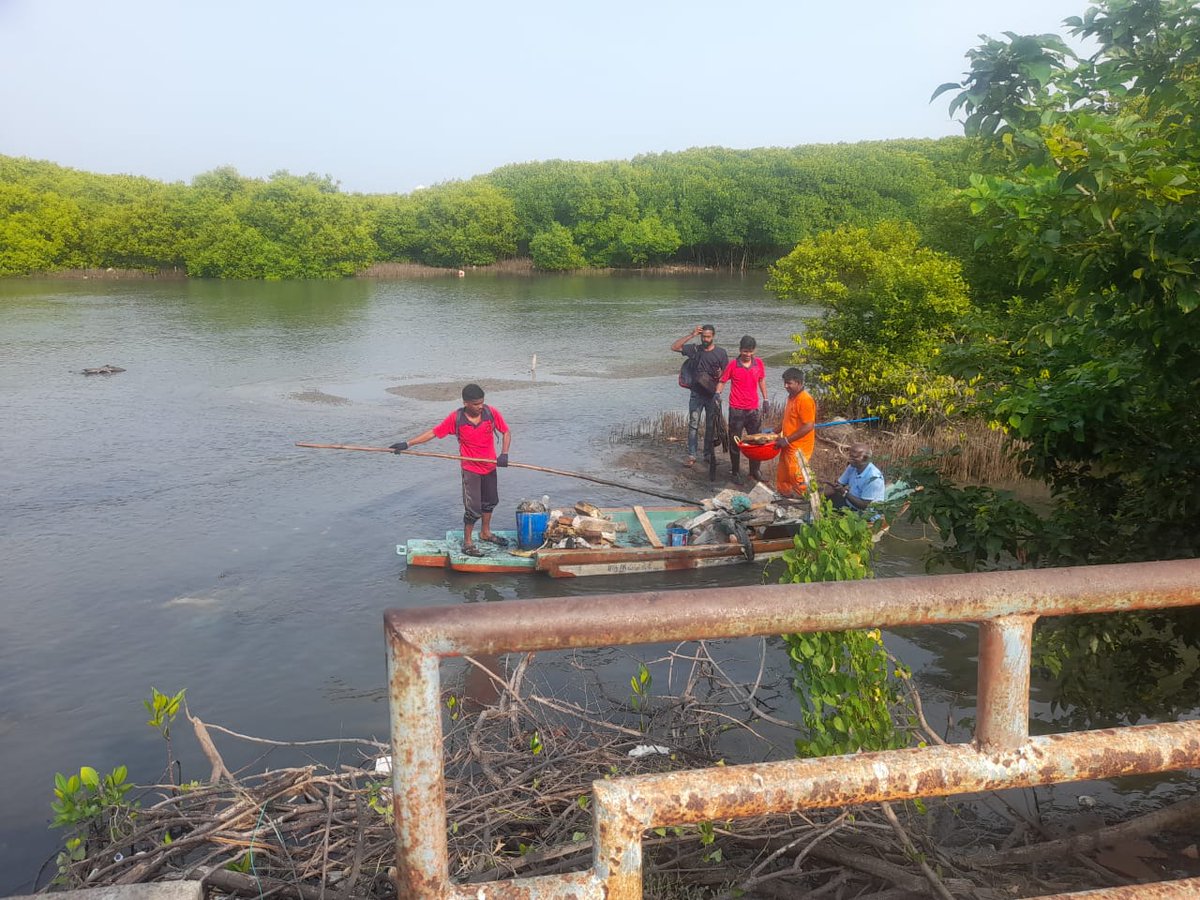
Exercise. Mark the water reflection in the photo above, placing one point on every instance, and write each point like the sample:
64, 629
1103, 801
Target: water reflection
235, 305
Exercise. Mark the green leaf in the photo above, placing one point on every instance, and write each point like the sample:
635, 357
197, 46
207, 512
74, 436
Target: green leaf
942, 88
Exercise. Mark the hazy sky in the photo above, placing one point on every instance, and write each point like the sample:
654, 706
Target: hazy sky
387, 96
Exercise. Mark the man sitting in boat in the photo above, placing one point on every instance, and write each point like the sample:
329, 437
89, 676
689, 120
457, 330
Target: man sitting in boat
475, 425
860, 485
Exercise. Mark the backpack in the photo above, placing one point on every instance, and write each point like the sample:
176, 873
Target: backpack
696, 379
461, 419
687, 372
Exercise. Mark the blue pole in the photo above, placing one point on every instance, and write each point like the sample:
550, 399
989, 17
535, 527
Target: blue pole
846, 422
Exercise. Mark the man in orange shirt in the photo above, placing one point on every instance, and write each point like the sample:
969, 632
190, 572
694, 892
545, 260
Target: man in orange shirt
797, 435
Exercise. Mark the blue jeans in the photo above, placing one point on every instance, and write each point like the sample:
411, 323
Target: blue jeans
699, 404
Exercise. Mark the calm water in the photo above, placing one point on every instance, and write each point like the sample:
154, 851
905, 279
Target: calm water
160, 529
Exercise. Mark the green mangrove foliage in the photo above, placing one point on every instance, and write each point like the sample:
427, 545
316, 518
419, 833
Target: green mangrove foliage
95, 808
1089, 350
163, 708
851, 689
95, 811
1097, 207
708, 206
889, 307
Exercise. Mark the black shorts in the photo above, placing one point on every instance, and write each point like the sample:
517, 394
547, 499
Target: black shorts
480, 494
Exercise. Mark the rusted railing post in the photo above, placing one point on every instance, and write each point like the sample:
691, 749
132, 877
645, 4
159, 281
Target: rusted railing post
418, 785
1003, 756
1005, 652
618, 823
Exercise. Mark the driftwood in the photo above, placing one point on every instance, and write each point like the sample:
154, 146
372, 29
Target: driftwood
517, 806
103, 370
1185, 813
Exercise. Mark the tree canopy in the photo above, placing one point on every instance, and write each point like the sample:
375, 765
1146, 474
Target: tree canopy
1096, 204
706, 206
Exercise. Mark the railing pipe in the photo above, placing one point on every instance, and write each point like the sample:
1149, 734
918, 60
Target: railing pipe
418, 779
743, 791
1006, 604
646, 617
1002, 705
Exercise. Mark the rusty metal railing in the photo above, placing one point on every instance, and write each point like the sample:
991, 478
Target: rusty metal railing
1002, 754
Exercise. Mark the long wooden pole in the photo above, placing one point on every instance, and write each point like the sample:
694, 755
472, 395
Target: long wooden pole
511, 465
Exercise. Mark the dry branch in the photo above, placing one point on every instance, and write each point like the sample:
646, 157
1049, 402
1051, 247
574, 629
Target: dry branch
323, 832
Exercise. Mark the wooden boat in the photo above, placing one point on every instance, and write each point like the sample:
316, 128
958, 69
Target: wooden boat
635, 550
634, 553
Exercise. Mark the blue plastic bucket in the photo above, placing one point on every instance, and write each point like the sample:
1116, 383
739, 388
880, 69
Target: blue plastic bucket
531, 529
676, 537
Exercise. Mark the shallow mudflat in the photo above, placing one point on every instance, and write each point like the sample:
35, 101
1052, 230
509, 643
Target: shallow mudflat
319, 397
452, 390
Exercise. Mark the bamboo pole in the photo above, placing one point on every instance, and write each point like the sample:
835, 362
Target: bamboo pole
814, 489
511, 465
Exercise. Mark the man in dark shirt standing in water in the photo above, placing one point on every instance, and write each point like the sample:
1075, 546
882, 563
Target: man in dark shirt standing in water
708, 362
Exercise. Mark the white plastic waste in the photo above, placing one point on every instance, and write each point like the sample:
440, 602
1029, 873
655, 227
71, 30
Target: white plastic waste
648, 750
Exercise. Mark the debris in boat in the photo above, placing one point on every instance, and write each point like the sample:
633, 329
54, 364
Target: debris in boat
107, 369
730, 517
533, 506
737, 517
597, 523
584, 527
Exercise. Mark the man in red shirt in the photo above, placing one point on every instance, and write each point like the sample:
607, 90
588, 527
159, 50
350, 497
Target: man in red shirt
748, 379
476, 426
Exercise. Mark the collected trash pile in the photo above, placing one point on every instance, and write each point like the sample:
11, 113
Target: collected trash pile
585, 527
736, 517
729, 517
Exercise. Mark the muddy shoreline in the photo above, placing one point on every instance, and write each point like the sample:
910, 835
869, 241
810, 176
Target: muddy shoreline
383, 271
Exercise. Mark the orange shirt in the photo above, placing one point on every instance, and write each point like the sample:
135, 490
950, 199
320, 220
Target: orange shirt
798, 411
789, 477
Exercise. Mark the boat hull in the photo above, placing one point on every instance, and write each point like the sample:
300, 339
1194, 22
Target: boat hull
634, 552
631, 561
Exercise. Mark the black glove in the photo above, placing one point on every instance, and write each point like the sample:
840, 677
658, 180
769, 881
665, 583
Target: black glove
399, 446
502, 460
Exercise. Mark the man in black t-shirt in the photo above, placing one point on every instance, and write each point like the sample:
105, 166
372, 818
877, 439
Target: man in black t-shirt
708, 362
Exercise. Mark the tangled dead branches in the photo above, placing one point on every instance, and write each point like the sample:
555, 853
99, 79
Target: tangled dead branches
519, 764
